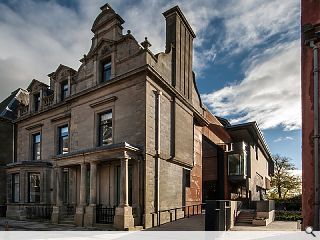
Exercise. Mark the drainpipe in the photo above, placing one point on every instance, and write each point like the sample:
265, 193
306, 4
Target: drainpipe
157, 150
316, 132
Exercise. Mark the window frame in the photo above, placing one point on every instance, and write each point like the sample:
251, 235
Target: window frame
60, 139
187, 177
34, 143
29, 187
36, 101
14, 198
99, 127
105, 61
64, 93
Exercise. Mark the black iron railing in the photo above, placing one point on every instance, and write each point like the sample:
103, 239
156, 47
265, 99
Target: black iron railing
3, 210
104, 215
41, 212
188, 211
71, 209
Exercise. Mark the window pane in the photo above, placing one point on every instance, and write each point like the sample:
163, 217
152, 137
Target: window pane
36, 147
64, 131
37, 152
36, 101
105, 129
236, 165
64, 90
106, 135
15, 188
106, 71
65, 145
34, 187
63, 140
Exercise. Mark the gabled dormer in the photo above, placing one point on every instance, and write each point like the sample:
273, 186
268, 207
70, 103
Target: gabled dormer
60, 82
37, 91
107, 25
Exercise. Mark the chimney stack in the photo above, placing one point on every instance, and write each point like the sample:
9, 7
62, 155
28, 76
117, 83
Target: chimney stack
179, 40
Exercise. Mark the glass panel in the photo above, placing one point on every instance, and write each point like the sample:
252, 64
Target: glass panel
36, 147
105, 131
106, 71
36, 101
63, 140
64, 131
236, 164
65, 145
16, 188
34, 187
64, 90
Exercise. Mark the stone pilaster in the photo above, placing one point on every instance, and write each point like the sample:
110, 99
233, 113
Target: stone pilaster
123, 218
80, 210
90, 213
136, 193
56, 211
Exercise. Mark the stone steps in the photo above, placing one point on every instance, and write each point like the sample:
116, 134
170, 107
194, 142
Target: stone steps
246, 217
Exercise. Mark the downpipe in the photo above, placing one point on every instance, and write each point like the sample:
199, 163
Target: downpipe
316, 133
157, 150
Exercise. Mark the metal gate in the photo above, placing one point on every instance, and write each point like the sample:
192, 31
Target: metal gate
104, 215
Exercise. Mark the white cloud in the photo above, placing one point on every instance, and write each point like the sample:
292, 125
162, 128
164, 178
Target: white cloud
253, 22
280, 139
269, 92
37, 36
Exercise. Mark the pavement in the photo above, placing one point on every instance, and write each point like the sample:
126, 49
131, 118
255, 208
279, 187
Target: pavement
194, 223
18, 225
197, 223
274, 226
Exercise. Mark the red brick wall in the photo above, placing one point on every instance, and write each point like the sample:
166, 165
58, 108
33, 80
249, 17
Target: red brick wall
194, 193
310, 10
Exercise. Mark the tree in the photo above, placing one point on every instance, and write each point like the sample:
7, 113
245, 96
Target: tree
283, 181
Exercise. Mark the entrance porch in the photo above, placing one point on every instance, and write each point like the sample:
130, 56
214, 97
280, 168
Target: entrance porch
102, 185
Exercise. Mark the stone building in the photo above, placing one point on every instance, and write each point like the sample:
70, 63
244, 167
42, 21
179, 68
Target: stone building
239, 167
8, 112
125, 130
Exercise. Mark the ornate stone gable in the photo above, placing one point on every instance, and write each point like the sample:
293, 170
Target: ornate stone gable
62, 73
36, 86
107, 15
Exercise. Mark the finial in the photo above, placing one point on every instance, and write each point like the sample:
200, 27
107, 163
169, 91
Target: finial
146, 44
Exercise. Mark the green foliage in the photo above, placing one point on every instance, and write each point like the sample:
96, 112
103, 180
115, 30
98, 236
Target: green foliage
283, 182
288, 215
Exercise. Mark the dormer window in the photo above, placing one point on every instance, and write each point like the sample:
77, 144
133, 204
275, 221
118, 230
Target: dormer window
36, 99
106, 70
64, 90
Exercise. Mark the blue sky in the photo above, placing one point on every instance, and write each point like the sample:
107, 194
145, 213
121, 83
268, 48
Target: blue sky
246, 55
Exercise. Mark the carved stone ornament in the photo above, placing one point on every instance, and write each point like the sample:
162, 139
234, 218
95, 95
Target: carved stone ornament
106, 50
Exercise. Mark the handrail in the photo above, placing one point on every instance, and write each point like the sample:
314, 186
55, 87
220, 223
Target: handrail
184, 208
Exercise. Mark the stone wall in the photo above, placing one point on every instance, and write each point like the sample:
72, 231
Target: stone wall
6, 154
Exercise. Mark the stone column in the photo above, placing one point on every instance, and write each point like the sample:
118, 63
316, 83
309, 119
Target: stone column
79, 216
124, 188
59, 186
90, 214
56, 211
83, 178
123, 218
93, 183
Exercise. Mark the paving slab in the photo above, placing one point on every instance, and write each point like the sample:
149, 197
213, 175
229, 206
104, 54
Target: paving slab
18, 225
274, 226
